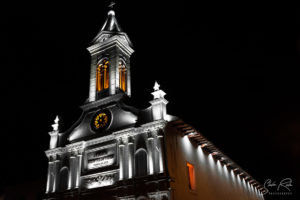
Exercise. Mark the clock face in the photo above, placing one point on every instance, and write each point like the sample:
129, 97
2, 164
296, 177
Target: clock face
101, 120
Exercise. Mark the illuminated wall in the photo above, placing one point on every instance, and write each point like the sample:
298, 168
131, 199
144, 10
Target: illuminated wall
104, 161
213, 180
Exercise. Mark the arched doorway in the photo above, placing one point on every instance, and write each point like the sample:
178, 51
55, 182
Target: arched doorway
140, 159
63, 179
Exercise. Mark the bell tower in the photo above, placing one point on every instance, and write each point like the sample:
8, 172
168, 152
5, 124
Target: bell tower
110, 54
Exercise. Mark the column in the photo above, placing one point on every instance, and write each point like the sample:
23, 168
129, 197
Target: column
160, 143
128, 85
113, 66
79, 163
92, 91
150, 153
130, 147
56, 175
156, 154
49, 178
121, 159
71, 172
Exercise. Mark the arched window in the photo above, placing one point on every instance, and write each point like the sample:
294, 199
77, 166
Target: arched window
191, 175
102, 77
63, 179
140, 159
123, 76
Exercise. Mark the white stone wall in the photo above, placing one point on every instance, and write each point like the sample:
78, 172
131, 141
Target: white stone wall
75, 155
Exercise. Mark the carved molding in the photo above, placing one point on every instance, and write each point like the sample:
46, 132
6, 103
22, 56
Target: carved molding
122, 141
113, 41
127, 198
125, 133
130, 140
115, 171
102, 147
158, 101
56, 151
149, 127
99, 140
153, 126
152, 196
151, 134
53, 133
77, 147
100, 179
103, 101
158, 195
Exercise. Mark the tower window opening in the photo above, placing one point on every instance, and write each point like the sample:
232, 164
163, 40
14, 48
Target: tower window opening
191, 175
123, 76
102, 76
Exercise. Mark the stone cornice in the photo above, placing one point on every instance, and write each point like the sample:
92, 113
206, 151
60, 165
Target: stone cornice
159, 194
110, 35
157, 101
101, 174
56, 151
107, 100
53, 133
154, 125
123, 134
127, 132
102, 147
78, 146
99, 140
115, 40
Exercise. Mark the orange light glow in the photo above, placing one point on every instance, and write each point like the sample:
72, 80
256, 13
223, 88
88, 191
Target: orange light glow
191, 174
122, 71
102, 77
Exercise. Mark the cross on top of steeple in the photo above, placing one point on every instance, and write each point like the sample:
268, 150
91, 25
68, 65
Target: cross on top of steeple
111, 5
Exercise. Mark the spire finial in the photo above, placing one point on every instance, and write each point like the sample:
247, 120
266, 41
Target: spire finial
156, 86
111, 5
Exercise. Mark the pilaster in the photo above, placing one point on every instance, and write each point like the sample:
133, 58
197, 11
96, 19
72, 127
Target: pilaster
128, 78
71, 172
130, 146
160, 144
92, 89
121, 159
75, 150
56, 175
113, 66
151, 154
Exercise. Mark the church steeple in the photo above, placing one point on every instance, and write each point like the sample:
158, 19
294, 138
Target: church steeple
110, 61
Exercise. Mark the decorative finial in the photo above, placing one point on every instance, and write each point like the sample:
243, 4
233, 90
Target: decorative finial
111, 5
156, 86
55, 126
56, 119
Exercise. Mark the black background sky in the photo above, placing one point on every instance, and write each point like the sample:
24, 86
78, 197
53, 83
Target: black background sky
231, 71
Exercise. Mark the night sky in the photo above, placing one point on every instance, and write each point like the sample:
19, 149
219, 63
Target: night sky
231, 71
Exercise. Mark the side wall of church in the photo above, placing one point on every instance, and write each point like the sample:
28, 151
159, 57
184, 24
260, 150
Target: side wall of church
213, 180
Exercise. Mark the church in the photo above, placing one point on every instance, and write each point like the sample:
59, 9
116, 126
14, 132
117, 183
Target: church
115, 151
